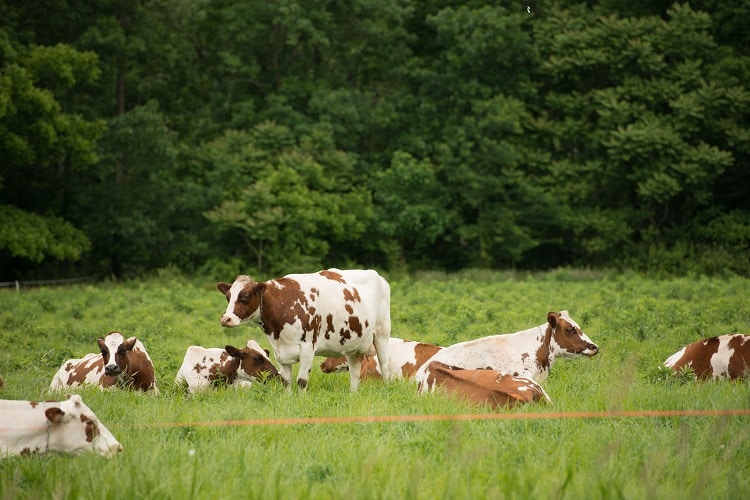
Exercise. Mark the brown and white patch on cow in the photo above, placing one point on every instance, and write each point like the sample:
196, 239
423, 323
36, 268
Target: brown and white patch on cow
724, 356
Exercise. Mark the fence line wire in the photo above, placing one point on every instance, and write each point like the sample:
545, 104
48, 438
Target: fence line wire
18, 283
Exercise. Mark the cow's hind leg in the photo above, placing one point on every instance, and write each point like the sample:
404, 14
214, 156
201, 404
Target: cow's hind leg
381, 348
355, 370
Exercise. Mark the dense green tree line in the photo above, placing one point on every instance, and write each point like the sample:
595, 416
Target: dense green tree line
272, 137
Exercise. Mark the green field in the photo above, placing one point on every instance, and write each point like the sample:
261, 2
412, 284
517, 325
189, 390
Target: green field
636, 321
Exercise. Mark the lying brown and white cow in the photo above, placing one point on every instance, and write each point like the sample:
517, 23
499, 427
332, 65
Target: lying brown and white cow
482, 386
69, 426
725, 356
122, 362
205, 367
404, 359
328, 313
529, 353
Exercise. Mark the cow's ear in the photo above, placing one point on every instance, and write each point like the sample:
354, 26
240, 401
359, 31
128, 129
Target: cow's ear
233, 351
552, 318
223, 287
260, 288
101, 343
54, 415
267, 353
130, 343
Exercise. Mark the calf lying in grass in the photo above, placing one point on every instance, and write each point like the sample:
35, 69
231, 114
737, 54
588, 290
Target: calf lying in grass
203, 367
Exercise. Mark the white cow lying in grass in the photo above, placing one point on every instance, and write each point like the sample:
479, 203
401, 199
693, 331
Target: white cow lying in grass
69, 426
529, 353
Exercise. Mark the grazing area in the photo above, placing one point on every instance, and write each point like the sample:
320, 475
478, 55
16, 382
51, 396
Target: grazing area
327, 442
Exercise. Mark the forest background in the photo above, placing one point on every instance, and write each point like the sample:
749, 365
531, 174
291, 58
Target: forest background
216, 137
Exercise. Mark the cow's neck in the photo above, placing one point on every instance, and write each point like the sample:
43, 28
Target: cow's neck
259, 320
545, 353
228, 371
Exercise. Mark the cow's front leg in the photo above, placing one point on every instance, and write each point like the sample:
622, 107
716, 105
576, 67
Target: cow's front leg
286, 374
355, 370
306, 356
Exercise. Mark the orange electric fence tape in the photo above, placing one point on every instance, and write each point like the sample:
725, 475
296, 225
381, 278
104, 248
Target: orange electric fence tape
427, 418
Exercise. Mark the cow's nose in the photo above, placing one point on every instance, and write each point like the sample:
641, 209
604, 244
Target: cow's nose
112, 370
114, 450
593, 348
226, 320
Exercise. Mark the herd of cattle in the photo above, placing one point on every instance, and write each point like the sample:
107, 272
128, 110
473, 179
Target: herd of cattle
345, 316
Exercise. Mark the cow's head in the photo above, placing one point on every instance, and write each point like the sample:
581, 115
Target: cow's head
334, 365
567, 338
244, 301
115, 350
73, 428
254, 362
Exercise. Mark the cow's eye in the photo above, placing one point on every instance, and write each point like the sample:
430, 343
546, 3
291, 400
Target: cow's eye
121, 352
104, 353
258, 359
244, 298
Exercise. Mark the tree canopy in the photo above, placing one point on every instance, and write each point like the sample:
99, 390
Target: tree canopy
278, 137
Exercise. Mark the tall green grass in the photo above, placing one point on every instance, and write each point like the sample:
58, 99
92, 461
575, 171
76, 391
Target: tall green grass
636, 321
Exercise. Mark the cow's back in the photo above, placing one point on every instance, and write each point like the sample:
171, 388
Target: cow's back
199, 367
352, 307
77, 372
499, 352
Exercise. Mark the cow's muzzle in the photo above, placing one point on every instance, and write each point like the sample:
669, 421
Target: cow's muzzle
591, 350
112, 370
227, 321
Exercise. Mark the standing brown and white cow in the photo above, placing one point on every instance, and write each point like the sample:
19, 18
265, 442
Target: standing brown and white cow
122, 362
404, 359
69, 426
482, 386
529, 353
328, 313
205, 367
725, 356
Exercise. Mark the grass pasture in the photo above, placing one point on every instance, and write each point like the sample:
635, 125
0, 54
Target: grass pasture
170, 452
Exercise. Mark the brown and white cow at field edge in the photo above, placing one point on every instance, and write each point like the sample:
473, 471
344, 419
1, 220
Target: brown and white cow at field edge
122, 362
725, 356
529, 353
205, 367
482, 386
404, 359
328, 313
69, 426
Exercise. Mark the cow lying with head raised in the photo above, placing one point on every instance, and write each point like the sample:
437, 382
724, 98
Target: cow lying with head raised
725, 356
404, 359
29, 428
482, 386
121, 363
329, 313
529, 353
203, 367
